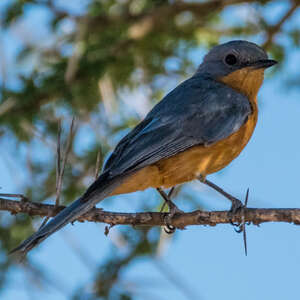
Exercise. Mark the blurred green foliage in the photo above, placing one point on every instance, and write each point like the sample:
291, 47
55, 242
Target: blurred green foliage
113, 50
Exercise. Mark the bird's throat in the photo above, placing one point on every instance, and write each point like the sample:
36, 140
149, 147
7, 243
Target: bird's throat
247, 81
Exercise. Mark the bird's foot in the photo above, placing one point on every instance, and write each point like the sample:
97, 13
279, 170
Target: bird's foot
173, 210
236, 205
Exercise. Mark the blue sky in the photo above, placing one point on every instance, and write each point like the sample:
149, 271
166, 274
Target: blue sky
209, 260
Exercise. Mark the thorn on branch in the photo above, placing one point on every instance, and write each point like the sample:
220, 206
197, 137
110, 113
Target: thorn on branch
242, 226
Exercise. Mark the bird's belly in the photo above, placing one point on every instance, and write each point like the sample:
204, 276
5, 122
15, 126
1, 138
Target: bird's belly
189, 164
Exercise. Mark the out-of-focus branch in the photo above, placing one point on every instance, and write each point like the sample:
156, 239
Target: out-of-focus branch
272, 30
143, 23
79, 47
212, 218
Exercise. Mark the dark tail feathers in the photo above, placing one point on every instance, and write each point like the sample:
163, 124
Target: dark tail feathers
99, 190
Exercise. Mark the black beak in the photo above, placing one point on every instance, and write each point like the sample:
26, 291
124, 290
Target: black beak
263, 64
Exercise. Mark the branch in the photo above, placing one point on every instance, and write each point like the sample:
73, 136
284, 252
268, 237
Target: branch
273, 30
144, 23
255, 216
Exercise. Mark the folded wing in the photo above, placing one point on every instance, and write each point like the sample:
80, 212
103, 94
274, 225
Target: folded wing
199, 111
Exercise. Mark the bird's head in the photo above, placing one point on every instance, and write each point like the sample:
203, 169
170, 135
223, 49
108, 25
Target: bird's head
239, 64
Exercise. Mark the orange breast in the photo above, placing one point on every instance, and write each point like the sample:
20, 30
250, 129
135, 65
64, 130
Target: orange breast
189, 164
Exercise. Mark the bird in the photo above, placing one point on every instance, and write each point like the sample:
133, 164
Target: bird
197, 129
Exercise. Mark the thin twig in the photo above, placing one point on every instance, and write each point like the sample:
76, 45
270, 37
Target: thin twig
58, 158
97, 168
64, 160
58, 170
272, 30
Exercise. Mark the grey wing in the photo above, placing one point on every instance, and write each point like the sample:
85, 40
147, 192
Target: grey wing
192, 114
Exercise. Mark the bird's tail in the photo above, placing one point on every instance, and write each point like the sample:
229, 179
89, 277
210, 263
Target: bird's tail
99, 190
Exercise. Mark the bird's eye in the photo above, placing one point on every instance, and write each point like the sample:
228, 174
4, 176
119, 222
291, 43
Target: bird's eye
230, 59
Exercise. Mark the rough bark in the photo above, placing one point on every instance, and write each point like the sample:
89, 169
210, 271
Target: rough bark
249, 215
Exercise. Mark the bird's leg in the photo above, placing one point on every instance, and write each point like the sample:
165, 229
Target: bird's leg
173, 209
236, 204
